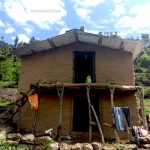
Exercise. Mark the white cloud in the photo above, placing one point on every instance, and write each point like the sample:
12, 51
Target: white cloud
138, 19
84, 8
43, 13
2, 24
92, 31
120, 1
88, 3
28, 30
84, 14
63, 30
22, 38
9, 30
119, 10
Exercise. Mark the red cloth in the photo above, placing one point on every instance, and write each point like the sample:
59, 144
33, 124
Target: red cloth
33, 100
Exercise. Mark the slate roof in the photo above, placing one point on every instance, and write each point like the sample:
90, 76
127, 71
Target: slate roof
75, 35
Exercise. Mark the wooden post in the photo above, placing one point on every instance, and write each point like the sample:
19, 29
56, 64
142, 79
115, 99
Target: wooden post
90, 117
36, 117
112, 88
99, 126
60, 91
141, 98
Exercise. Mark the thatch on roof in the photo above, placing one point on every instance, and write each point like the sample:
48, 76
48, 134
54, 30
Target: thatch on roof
74, 36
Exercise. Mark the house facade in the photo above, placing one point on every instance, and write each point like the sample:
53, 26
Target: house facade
69, 59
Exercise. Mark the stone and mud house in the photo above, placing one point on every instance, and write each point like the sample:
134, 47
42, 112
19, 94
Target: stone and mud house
62, 63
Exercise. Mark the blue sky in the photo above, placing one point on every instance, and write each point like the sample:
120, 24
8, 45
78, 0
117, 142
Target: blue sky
47, 18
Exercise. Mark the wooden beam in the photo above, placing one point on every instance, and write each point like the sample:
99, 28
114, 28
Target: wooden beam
90, 115
112, 88
60, 91
121, 45
76, 36
36, 117
99, 126
100, 41
51, 42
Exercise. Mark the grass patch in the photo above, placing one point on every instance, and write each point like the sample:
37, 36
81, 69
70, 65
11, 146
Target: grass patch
9, 84
147, 102
147, 106
5, 145
4, 102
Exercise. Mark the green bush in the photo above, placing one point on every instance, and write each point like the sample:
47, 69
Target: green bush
147, 92
5, 145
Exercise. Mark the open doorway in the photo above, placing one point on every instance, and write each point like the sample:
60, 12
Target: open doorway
84, 65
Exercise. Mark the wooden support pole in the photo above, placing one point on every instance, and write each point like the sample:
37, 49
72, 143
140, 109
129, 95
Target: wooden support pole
60, 91
36, 117
141, 98
90, 116
112, 88
99, 126
20, 110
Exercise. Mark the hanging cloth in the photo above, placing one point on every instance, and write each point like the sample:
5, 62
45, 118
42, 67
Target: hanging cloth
121, 115
118, 117
33, 100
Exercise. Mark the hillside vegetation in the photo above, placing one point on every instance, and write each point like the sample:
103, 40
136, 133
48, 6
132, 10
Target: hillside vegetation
142, 72
10, 65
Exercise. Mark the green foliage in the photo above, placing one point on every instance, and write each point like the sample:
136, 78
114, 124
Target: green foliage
9, 64
142, 71
147, 106
47, 143
5, 145
147, 92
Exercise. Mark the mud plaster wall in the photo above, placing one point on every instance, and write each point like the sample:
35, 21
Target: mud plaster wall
48, 115
57, 66
120, 100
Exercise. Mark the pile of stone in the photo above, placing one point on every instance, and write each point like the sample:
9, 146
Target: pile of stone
45, 142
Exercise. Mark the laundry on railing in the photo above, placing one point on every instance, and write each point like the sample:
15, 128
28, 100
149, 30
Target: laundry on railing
121, 116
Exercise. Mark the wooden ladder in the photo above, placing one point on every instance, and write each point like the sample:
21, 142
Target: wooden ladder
14, 108
91, 109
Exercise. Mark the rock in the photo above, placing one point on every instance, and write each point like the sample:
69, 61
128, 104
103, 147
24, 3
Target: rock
146, 146
41, 140
87, 146
66, 137
28, 137
3, 132
14, 143
2, 136
77, 146
131, 147
97, 146
108, 148
64, 146
53, 146
24, 146
39, 147
14, 136
144, 140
